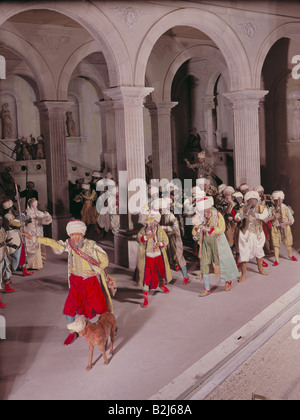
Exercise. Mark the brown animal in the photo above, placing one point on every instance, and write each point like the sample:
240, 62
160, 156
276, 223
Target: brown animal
96, 334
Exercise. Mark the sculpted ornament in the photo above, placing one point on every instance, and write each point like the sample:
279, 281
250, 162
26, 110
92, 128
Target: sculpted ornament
129, 15
249, 30
50, 41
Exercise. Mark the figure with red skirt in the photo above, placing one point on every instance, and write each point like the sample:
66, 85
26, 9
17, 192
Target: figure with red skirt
153, 266
90, 286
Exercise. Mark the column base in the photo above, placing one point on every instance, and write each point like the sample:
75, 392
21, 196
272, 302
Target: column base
126, 249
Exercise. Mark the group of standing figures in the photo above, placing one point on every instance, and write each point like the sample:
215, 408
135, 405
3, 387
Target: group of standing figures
229, 227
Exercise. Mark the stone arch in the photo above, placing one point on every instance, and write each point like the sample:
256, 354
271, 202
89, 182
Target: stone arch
33, 59
96, 80
96, 24
285, 30
206, 51
213, 26
74, 60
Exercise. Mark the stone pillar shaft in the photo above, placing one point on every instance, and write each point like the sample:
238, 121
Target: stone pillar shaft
208, 105
245, 106
53, 128
160, 113
129, 127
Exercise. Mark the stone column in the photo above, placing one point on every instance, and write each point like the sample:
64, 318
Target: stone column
208, 105
160, 113
129, 129
245, 104
53, 127
108, 154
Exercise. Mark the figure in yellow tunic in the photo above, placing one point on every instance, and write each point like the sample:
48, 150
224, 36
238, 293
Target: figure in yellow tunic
281, 220
152, 258
89, 284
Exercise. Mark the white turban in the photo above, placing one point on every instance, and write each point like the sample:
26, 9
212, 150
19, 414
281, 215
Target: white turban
221, 187
259, 188
243, 187
204, 203
238, 194
202, 181
228, 189
198, 192
278, 194
153, 190
251, 194
85, 186
152, 217
7, 204
171, 186
76, 226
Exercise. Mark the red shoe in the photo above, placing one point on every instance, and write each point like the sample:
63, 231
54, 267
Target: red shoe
177, 268
145, 303
276, 263
2, 305
8, 289
186, 280
265, 264
164, 289
71, 338
294, 258
26, 272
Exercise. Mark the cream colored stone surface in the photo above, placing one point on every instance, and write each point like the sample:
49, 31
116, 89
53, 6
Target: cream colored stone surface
272, 372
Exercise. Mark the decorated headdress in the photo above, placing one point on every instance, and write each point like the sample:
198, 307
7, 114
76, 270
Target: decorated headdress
204, 203
251, 194
228, 189
278, 194
221, 188
76, 226
7, 204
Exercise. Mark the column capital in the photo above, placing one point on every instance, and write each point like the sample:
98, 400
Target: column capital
160, 107
54, 108
245, 98
128, 95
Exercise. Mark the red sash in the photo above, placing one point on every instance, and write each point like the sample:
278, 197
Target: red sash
81, 254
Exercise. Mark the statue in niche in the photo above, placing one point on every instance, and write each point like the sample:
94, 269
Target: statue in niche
6, 122
71, 126
296, 120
